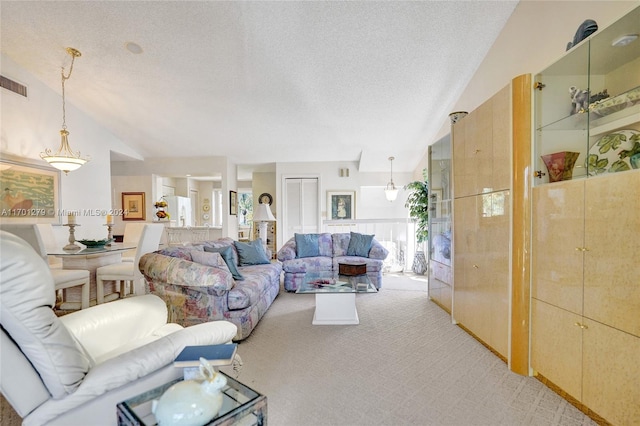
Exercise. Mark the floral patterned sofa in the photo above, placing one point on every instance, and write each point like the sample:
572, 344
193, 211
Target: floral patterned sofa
332, 249
198, 286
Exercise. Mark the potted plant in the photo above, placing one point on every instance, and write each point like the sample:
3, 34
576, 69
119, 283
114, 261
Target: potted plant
418, 205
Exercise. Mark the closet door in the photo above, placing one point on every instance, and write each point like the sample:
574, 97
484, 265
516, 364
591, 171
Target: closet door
301, 207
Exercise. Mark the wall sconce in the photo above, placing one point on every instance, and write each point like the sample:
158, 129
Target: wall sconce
64, 158
391, 192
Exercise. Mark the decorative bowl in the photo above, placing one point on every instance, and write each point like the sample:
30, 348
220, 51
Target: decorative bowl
95, 243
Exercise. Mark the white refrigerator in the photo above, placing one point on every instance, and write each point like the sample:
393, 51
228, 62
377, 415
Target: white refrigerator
180, 209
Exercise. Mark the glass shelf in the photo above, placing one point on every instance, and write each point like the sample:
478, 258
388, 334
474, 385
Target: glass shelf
561, 122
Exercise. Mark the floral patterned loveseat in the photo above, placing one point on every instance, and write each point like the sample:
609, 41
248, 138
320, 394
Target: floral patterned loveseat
197, 285
332, 249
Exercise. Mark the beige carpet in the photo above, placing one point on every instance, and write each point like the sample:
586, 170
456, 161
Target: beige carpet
405, 364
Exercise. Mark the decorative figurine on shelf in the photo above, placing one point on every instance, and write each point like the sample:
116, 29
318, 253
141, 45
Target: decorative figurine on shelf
191, 402
579, 100
599, 96
585, 29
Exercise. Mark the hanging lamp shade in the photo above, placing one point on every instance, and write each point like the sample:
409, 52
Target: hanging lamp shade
65, 158
391, 192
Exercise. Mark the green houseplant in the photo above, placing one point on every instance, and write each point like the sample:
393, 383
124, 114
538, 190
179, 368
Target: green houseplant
418, 205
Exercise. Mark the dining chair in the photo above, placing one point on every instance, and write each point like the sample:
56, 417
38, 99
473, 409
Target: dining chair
127, 272
50, 242
132, 233
63, 278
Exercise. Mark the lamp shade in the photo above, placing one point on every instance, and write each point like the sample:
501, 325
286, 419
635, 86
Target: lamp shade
391, 193
262, 213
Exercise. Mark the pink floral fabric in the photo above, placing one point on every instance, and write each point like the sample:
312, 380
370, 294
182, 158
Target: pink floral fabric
197, 293
333, 250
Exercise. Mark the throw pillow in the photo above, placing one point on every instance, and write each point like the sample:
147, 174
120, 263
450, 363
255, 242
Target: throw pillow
307, 245
227, 254
251, 253
359, 245
210, 259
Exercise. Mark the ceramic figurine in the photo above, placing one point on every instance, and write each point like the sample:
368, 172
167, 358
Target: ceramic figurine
579, 100
191, 402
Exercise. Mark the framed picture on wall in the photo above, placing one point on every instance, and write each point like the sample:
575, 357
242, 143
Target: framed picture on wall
133, 207
31, 192
233, 203
341, 205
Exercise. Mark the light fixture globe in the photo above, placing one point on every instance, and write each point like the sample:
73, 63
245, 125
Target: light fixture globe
391, 192
64, 158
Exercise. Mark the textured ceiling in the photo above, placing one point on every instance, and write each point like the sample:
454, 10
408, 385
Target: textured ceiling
261, 82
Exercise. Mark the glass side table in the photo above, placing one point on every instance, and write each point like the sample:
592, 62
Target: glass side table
241, 406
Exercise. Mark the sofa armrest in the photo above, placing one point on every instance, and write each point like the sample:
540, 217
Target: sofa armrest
287, 251
206, 279
378, 251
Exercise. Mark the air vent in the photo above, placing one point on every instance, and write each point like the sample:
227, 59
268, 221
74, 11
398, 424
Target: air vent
13, 86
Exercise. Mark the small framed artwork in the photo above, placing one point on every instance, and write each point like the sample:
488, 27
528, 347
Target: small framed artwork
341, 205
133, 207
31, 191
233, 203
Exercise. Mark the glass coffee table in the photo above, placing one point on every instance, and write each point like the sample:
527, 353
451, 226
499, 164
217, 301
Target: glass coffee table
336, 298
241, 406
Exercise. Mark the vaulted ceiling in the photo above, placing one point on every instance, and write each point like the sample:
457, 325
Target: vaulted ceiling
261, 81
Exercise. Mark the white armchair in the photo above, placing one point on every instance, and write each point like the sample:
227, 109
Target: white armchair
73, 370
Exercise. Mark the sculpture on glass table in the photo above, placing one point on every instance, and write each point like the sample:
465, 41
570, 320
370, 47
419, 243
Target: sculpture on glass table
191, 402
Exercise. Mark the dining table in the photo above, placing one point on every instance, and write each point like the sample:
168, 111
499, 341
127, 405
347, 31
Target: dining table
90, 259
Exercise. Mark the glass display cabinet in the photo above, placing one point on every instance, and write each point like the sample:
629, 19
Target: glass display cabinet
440, 251
584, 245
587, 107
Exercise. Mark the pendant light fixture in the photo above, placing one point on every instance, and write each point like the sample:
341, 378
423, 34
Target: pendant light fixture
391, 192
64, 158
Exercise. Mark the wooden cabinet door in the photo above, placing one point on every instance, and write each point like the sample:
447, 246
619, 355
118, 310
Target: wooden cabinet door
611, 372
612, 241
556, 346
481, 290
501, 139
557, 241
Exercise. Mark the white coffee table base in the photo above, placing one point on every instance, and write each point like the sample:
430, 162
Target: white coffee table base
335, 309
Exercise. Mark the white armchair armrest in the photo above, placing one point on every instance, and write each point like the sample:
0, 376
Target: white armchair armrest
113, 325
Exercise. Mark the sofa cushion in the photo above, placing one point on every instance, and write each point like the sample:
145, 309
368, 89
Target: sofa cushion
307, 245
179, 252
27, 296
251, 253
312, 264
359, 245
210, 259
227, 254
258, 279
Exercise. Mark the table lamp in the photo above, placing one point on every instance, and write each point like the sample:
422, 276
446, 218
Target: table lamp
261, 216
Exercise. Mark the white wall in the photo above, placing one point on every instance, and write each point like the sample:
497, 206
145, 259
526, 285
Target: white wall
29, 125
369, 188
535, 36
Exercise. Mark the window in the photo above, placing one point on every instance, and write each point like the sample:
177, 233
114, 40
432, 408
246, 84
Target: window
245, 207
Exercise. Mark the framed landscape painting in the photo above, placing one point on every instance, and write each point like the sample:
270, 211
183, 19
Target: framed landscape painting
341, 205
133, 207
30, 191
